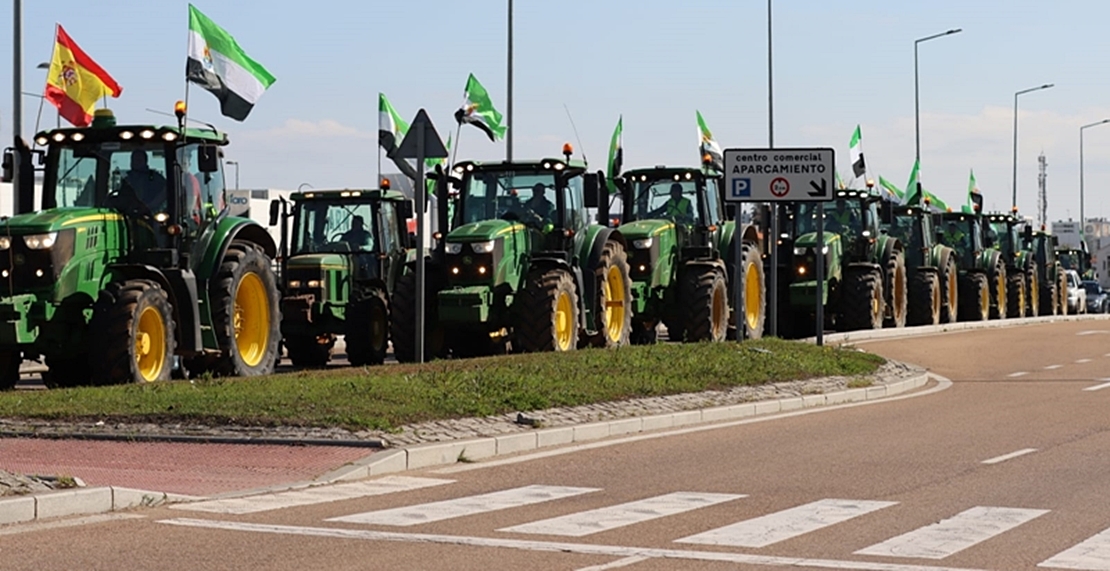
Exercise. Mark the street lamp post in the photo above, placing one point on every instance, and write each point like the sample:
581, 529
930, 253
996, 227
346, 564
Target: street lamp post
1082, 220
236, 165
509, 107
1022, 92
916, 91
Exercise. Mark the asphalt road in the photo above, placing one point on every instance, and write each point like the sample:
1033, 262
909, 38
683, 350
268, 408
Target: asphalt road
1002, 468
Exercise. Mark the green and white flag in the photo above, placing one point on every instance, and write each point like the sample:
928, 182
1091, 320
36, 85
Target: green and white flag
616, 155
217, 63
913, 187
478, 110
972, 189
708, 147
892, 189
391, 127
855, 151
936, 202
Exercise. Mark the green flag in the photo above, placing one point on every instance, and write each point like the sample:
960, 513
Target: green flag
217, 63
391, 127
708, 148
616, 155
478, 110
935, 201
892, 189
913, 188
855, 151
972, 189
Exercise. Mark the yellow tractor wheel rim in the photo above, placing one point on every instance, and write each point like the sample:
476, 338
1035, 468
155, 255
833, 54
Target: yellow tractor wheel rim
952, 291
252, 319
984, 302
876, 303
1035, 296
564, 322
1021, 302
1000, 292
936, 301
150, 344
613, 286
752, 296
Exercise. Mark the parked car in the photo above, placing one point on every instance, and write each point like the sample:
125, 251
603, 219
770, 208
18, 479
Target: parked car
1077, 294
1098, 299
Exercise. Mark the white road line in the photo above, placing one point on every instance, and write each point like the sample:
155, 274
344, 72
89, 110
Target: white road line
786, 524
315, 495
1092, 332
468, 505
37, 526
954, 534
1053, 367
555, 547
1105, 385
603, 519
618, 563
1092, 555
1005, 457
1018, 374
1081, 361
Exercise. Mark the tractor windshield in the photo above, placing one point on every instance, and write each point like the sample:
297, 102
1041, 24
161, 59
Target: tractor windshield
1004, 238
334, 226
962, 234
841, 217
1069, 259
668, 199
905, 227
527, 196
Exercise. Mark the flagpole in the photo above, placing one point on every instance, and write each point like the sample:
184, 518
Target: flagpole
455, 150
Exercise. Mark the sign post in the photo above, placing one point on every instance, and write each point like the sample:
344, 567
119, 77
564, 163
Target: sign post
783, 175
421, 142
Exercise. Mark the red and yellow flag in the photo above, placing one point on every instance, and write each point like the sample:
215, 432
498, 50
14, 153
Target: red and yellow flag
75, 82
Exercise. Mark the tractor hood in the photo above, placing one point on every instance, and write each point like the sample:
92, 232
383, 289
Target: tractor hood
318, 261
810, 240
641, 229
484, 231
55, 219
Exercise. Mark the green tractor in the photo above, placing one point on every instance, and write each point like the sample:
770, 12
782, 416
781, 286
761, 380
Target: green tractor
682, 257
521, 265
132, 260
1053, 282
1023, 288
348, 249
933, 274
865, 270
1078, 259
983, 277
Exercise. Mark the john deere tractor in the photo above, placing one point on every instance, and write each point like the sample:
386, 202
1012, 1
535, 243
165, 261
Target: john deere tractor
983, 278
933, 274
132, 260
866, 282
521, 265
1023, 287
1053, 282
348, 249
682, 259
1078, 259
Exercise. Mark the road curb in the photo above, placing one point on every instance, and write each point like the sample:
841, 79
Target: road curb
82, 501
921, 330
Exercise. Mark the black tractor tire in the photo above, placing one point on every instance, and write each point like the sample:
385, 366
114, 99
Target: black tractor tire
925, 299
896, 289
753, 317
537, 326
367, 331
975, 298
134, 338
9, 368
245, 265
1032, 291
67, 372
999, 285
307, 352
704, 298
613, 324
1015, 292
402, 320
949, 288
1049, 305
862, 301
644, 332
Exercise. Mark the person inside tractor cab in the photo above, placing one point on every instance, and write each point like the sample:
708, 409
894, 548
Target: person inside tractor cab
954, 236
538, 209
148, 185
842, 219
677, 208
357, 237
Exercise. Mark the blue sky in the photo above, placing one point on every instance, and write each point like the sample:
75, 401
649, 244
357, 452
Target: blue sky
838, 63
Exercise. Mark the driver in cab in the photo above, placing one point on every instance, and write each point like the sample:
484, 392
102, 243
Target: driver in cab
842, 219
677, 207
148, 185
357, 237
538, 209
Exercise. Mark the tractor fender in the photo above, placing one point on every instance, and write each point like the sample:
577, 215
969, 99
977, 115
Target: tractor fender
214, 244
181, 287
751, 235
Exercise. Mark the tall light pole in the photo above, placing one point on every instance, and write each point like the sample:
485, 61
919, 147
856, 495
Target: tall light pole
773, 294
509, 107
17, 69
1082, 220
1022, 92
917, 93
236, 165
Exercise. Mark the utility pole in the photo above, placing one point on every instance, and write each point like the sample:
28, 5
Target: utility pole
509, 107
17, 69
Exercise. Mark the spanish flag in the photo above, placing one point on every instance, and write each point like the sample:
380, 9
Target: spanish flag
75, 82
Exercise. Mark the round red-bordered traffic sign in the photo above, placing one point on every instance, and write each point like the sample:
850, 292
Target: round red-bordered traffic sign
780, 187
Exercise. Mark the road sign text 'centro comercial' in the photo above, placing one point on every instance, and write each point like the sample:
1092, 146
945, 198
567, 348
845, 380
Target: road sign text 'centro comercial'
788, 175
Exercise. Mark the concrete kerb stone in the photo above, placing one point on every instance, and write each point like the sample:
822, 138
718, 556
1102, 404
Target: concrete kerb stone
902, 332
81, 501
17, 510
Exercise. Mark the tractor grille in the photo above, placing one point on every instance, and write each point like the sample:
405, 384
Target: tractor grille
469, 268
24, 270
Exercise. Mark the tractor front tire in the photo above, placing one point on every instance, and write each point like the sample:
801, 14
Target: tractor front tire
896, 290
753, 312
999, 294
975, 298
367, 336
949, 289
402, 320
862, 301
1015, 292
1033, 292
548, 312
9, 368
644, 332
925, 300
704, 296
134, 334
614, 295
306, 351
246, 317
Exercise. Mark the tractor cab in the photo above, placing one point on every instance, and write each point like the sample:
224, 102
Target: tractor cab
913, 226
686, 199
962, 232
851, 224
1004, 230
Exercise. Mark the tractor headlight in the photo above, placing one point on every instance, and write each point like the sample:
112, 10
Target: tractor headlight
5, 242
40, 241
825, 250
294, 284
482, 247
453, 247
313, 284
799, 251
642, 243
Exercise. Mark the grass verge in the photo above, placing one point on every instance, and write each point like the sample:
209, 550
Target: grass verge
391, 396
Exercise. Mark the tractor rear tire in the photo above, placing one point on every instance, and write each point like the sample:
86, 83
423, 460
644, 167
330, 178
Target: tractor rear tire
753, 311
1015, 291
613, 321
367, 335
862, 301
925, 299
644, 332
975, 298
949, 289
9, 368
704, 297
306, 351
548, 312
402, 320
69, 372
896, 290
246, 316
1032, 292
999, 294
134, 334
1049, 305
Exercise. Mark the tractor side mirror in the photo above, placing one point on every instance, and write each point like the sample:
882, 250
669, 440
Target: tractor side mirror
602, 200
886, 212
275, 211
8, 166
591, 184
208, 158
405, 209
